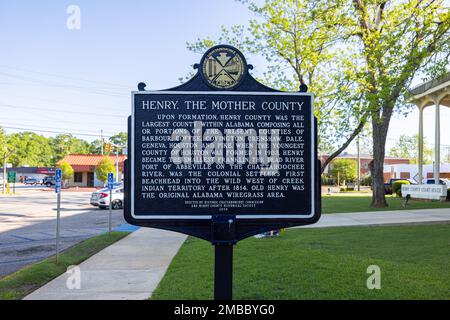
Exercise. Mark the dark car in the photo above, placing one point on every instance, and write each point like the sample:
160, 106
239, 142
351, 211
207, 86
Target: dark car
49, 181
388, 185
31, 181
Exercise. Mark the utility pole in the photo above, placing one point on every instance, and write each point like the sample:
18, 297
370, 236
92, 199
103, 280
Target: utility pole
6, 154
101, 135
117, 164
358, 156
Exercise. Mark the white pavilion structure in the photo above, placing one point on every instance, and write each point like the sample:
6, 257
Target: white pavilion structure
435, 92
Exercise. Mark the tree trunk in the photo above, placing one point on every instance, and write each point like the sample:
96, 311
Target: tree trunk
355, 132
380, 129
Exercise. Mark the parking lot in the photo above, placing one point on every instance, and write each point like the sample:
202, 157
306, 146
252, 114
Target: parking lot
28, 224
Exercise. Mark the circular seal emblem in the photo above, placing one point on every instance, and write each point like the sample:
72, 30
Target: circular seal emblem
223, 67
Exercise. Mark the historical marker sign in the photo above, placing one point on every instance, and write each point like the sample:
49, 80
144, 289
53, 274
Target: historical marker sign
222, 149
200, 154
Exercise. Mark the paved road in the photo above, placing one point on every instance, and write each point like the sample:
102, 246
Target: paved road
28, 224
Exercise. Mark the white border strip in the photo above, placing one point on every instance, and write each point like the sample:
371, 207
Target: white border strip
205, 217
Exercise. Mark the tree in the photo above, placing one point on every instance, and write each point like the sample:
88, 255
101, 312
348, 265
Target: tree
346, 169
297, 39
95, 147
390, 42
5, 153
64, 144
29, 149
120, 139
359, 57
105, 166
406, 147
66, 171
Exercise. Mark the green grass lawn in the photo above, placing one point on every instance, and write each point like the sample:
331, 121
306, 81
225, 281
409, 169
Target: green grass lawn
356, 203
24, 281
329, 263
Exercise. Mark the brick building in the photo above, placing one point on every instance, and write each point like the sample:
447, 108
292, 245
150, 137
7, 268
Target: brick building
84, 166
364, 160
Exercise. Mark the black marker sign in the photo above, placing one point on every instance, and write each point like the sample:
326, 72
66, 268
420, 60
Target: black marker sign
199, 154
222, 157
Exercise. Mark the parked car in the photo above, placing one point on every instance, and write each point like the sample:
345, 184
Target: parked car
49, 181
388, 185
95, 196
116, 202
31, 181
442, 181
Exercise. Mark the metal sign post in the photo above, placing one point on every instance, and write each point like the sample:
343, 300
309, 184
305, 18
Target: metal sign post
110, 187
222, 157
58, 176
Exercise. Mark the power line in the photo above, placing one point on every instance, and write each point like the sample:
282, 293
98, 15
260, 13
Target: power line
61, 132
55, 121
101, 91
64, 76
59, 102
62, 111
31, 126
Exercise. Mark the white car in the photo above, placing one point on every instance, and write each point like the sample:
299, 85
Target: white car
442, 181
116, 201
95, 196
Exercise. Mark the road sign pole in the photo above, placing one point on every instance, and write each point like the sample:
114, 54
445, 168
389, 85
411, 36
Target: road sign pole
110, 210
223, 271
58, 210
58, 180
110, 187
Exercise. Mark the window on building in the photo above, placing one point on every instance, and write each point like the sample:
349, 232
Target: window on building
78, 177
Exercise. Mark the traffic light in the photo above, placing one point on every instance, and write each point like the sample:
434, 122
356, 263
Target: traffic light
108, 147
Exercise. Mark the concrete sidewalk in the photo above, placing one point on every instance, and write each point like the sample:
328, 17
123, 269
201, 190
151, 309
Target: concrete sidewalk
396, 217
130, 269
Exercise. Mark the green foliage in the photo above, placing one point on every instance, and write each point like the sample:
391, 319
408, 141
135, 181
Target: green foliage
358, 57
29, 149
3, 140
341, 203
345, 168
366, 180
304, 264
407, 147
298, 40
120, 139
397, 187
36, 150
105, 166
64, 144
95, 147
66, 170
28, 279
327, 181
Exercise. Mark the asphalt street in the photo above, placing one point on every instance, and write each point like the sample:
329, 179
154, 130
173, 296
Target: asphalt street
28, 225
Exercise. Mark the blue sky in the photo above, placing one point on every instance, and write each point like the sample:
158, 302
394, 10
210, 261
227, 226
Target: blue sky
89, 73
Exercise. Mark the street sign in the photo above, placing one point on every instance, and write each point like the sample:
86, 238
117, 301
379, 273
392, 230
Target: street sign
58, 177
110, 180
12, 177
